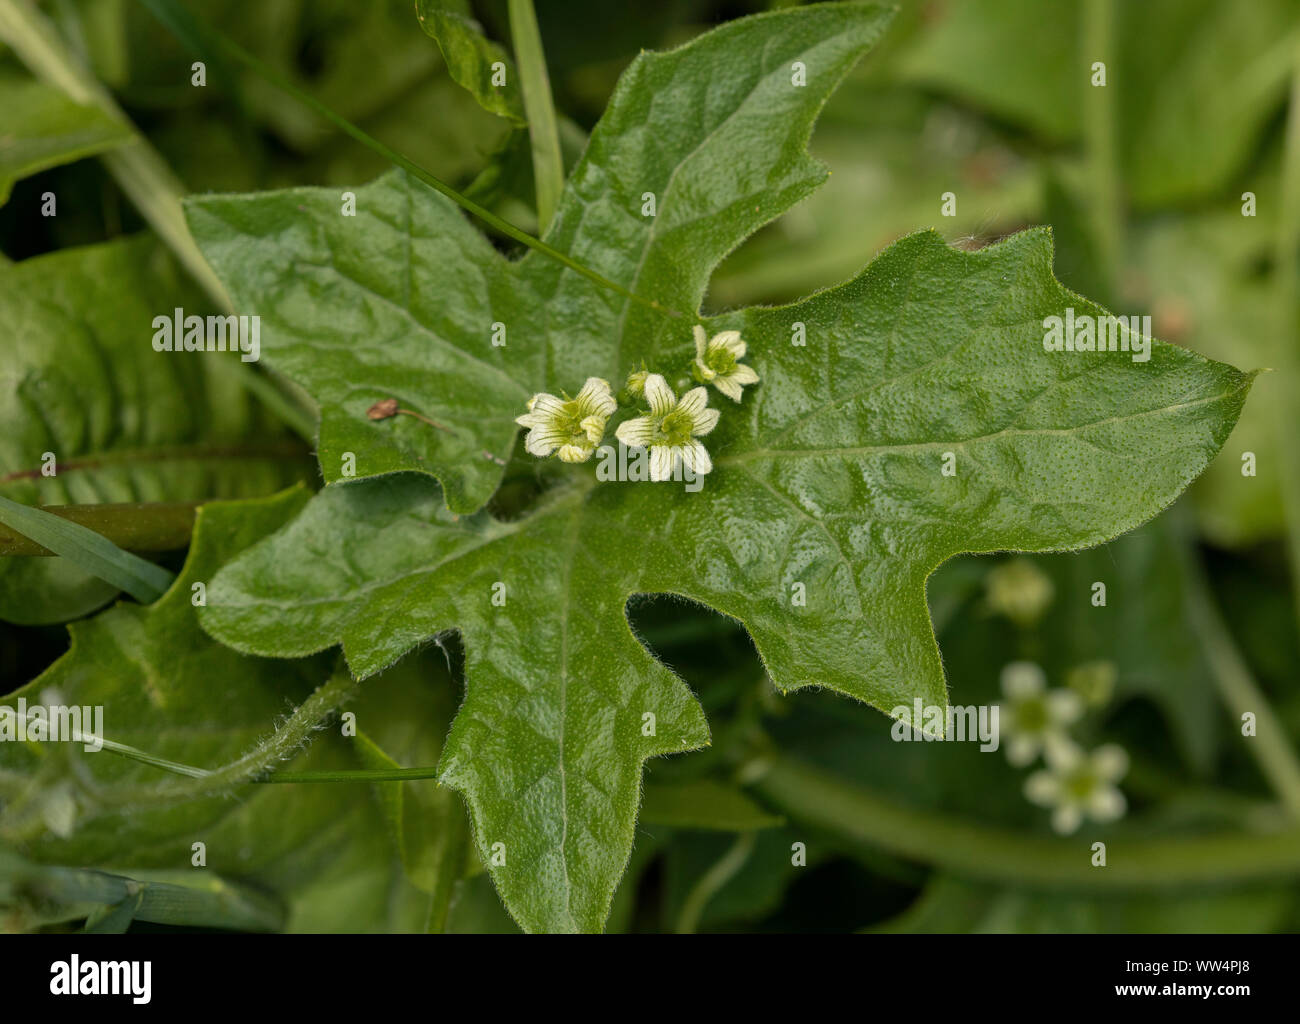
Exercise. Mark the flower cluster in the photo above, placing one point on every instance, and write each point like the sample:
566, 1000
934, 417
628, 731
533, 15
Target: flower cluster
669, 429
1075, 784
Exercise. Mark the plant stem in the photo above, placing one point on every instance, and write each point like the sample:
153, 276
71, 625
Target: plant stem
1099, 135
353, 775
712, 881
448, 864
1241, 694
548, 165
250, 766
319, 702
1287, 284
133, 526
856, 816
130, 458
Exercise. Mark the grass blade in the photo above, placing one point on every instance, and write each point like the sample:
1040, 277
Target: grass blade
97, 555
548, 165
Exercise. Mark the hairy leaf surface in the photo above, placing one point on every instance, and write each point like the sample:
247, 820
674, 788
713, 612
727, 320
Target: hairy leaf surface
902, 418
401, 300
828, 484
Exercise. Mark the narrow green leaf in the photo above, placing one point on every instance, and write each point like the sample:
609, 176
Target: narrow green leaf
111, 900
97, 555
115, 918
548, 165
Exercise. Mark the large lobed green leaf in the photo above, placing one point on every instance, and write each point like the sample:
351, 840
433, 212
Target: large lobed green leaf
829, 475
400, 301
832, 480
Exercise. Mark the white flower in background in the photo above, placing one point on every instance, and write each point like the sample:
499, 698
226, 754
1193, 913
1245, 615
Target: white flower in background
1094, 681
1020, 590
670, 429
1077, 785
1033, 717
574, 426
717, 362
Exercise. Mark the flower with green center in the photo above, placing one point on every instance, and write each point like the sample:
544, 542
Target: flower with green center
1077, 785
1033, 718
574, 426
717, 362
670, 429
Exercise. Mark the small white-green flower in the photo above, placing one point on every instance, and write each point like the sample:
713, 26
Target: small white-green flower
1078, 785
1020, 590
1032, 716
574, 426
670, 429
717, 362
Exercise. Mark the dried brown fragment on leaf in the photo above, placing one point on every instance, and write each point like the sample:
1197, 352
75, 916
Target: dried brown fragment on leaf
383, 409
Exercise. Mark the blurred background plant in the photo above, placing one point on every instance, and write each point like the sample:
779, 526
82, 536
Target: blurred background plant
804, 814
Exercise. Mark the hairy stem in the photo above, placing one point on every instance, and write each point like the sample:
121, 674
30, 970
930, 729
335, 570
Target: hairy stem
22, 818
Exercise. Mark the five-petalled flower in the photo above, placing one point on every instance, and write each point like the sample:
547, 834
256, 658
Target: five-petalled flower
574, 426
717, 362
1078, 785
1034, 717
670, 429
